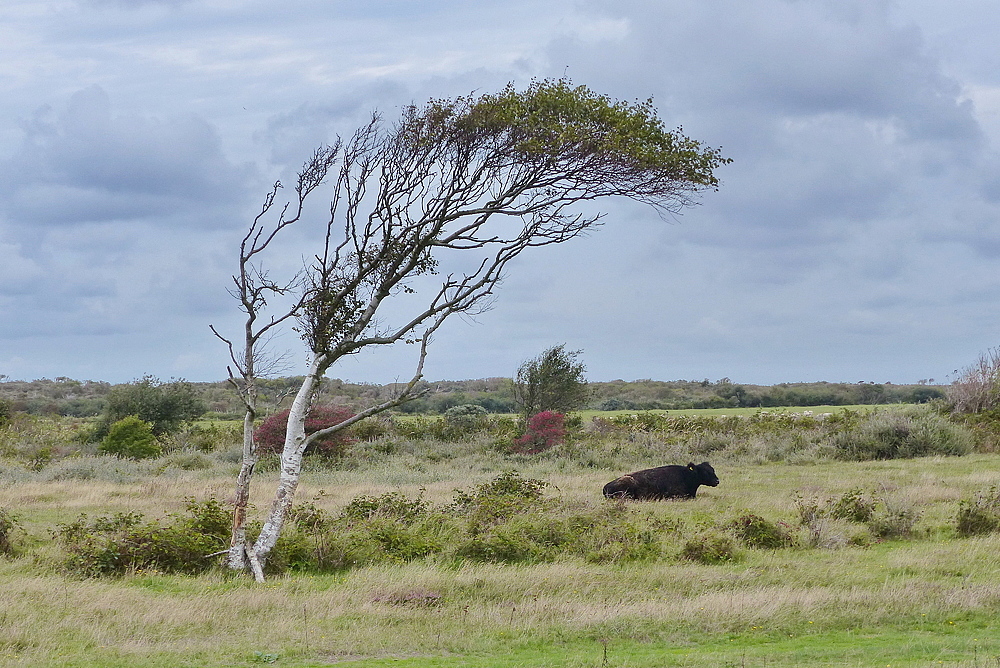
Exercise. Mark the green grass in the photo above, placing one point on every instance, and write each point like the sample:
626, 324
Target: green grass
931, 599
815, 410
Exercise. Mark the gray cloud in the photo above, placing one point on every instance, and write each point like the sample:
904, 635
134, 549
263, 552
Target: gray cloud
854, 236
84, 164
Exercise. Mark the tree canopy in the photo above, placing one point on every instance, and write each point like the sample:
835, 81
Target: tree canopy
553, 381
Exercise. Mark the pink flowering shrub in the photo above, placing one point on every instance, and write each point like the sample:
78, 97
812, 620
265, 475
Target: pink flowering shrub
545, 429
270, 435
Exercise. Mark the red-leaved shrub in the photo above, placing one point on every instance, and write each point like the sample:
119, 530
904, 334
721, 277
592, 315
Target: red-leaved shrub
545, 429
270, 435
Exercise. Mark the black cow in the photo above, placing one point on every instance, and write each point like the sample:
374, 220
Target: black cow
663, 482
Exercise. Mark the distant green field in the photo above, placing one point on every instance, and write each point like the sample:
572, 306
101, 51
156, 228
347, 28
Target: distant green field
816, 410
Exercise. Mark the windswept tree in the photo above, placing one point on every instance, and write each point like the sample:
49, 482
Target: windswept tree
553, 381
426, 214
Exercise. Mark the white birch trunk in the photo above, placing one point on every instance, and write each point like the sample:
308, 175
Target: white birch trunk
291, 466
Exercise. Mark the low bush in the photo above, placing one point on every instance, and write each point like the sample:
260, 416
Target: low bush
896, 519
270, 435
131, 438
545, 430
901, 434
757, 532
207, 437
711, 548
467, 417
124, 542
504, 520
979, 515
9, 528
38, 441
854, 505
883, 516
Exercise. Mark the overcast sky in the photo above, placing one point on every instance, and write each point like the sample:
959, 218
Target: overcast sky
855, 236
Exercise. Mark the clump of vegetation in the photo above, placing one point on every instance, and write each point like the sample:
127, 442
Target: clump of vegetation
854, 505
9, 527
428, 427
979, 515
467, 417
977, 389
165, 406
270, 435
553, 381
895, 519
883, 517
545, 430
39, 441
210, 437
899, 435
711, 548
6, 410
757, 532
131, 438
124, 542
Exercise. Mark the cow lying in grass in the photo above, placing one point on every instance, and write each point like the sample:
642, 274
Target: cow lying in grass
663, 482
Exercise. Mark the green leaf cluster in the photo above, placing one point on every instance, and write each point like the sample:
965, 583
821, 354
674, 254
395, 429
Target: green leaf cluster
131, 438
556, 124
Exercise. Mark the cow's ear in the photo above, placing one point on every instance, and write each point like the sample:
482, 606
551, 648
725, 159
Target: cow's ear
691, 465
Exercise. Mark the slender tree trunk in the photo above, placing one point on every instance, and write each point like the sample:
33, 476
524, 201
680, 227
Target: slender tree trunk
291, 467
238, 544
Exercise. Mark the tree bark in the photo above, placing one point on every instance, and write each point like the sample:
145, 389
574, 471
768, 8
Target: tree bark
238, 544
291, 467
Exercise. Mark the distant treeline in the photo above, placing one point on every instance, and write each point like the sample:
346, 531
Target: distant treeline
65, 396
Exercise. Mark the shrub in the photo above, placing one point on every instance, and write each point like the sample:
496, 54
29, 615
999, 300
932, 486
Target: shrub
270, 435
6, 410
390, 504
370, 529
980, 515
545, 430
373, 428
901, 434
895, 520
166, 406
38, 441
553, 381
188, 461
497, 501
208, 437
124, 542
524, 538
755, 531
616, 534
9, 526
854, 505
467, 417
131, 438
710, 549
508, 484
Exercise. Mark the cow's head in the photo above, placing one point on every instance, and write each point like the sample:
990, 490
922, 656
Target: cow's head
705, 473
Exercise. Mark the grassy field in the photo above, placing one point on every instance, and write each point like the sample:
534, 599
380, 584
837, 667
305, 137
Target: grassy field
812, 410
929, 599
